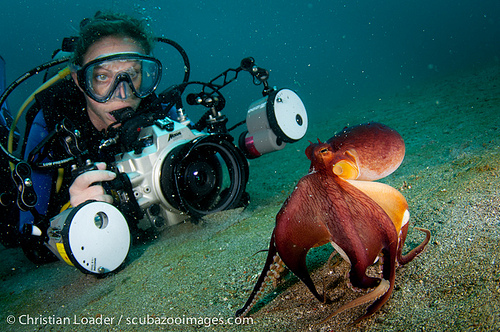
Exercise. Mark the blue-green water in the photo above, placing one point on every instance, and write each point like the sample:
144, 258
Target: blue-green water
429, 69
331, 52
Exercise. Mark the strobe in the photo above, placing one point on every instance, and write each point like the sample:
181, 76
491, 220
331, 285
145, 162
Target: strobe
273, 121
94, 237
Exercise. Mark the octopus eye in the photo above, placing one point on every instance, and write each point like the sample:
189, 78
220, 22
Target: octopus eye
323, 151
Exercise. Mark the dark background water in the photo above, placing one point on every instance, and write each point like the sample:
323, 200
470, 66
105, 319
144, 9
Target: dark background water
330, 52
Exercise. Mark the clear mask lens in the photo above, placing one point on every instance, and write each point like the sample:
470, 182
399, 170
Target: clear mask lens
120, 76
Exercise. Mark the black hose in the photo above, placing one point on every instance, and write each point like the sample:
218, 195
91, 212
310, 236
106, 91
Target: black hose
187, 66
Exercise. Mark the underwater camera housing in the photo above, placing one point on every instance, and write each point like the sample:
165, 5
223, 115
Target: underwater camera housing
180, 173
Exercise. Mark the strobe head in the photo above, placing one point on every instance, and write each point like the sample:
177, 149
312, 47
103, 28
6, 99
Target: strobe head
207, 175
94, 237
273, 121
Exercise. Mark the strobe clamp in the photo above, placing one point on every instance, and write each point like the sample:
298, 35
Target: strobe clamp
260, 75
26, 198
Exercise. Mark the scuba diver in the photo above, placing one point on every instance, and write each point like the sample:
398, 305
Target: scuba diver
111, 69
103, 153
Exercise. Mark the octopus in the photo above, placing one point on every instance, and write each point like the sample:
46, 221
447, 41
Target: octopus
339, 202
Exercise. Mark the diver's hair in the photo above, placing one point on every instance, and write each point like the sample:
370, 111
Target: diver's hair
111, 24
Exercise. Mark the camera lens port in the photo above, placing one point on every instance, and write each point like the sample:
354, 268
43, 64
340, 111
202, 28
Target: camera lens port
206, 175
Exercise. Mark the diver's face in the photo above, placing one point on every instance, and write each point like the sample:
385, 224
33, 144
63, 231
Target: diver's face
100, 113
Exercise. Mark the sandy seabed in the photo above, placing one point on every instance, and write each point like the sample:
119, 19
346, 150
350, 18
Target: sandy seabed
195, 276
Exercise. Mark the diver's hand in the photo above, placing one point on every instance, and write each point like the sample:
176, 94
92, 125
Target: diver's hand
83, 189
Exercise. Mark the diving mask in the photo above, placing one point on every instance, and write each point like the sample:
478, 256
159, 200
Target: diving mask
119, 75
